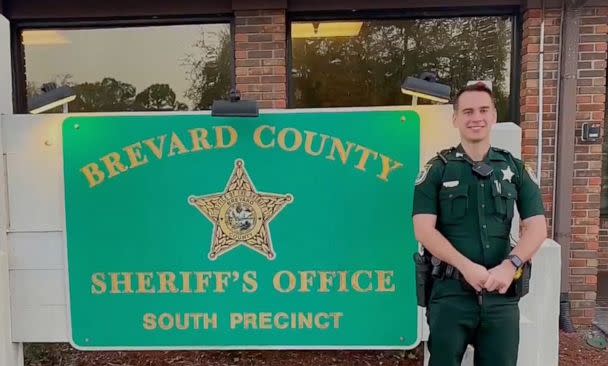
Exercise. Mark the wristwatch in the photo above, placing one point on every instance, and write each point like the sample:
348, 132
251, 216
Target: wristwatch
516, 261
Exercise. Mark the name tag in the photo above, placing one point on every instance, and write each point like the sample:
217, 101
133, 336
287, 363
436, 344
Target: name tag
451, 184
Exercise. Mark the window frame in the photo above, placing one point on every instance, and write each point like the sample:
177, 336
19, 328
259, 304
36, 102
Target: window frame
409, 14
19, 78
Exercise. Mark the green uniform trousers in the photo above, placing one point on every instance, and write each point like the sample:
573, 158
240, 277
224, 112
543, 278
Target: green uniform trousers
457, 318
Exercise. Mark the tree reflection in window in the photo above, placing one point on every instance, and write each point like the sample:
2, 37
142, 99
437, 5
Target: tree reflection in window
368, 68
164, 68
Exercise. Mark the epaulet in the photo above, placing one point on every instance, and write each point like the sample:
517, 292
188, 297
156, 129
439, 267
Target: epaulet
443, 154
507, 153
502, 151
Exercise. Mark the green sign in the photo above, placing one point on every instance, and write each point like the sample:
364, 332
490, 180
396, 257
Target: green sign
291, 230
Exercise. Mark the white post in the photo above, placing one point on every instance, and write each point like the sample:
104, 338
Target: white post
11, 354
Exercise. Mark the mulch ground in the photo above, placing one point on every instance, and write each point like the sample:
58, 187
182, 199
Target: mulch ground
574, 351
65, 355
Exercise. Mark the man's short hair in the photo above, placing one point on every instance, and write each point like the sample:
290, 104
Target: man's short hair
477, 87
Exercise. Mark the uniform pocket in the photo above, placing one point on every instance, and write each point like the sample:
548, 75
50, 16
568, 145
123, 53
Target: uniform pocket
505, 195
454, 202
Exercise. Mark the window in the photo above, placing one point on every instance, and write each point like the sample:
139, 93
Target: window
363, 63
151, 68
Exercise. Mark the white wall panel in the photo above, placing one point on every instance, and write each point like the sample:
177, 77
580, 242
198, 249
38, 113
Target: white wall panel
34, 172
37, 287
40, 324
36, 250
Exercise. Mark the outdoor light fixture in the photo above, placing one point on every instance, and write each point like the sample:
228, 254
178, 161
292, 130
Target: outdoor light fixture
235, 107
427, 87
51, 97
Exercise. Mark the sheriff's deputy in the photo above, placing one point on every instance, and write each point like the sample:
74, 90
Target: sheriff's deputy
464, 203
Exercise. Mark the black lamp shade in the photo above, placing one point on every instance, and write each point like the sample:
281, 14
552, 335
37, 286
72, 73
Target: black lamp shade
239, 108
426, 89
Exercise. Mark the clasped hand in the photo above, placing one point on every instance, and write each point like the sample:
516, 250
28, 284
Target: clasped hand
498, 278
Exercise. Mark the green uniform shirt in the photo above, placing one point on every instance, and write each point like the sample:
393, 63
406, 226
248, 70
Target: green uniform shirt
475, 213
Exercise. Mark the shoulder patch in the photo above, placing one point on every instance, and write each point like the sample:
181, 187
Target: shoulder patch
531, 174
423, 173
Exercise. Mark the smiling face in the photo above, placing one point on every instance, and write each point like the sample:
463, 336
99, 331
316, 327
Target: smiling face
474, 116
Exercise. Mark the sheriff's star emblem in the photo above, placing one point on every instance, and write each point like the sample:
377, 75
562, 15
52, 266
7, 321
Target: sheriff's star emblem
240, 215
507, 174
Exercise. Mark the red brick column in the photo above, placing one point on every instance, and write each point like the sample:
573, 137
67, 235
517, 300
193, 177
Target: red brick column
529, 106
260, 50
591, 95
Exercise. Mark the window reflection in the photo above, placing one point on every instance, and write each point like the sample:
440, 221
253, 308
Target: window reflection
363, 63
160, 68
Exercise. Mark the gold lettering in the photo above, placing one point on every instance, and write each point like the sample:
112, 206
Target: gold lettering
112, 162
186, 282
384, 280
165, 321
221, 281
277, 281
318, 323
337, 146
343, 282
182, 321
336, 317
364, 156
304, 320
156, 150
355, 281
294, 319
257, 136
326, 280
99, 285
126, 282
387, 167
202, 282
277, 323
143, 281
149, 321
167, 283
265, 321
297, 140
134, 154
211, 322
250, 320
220, 144
306, 278
310, 136
250, 283
176, 143
196, 317
235, 319
199, 139
93, 175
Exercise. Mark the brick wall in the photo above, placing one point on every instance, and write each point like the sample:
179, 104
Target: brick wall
529, 103
591, 97
260, 52
603, 250
591, 94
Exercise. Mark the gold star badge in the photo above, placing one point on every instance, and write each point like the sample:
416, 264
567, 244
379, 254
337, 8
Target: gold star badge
240, 215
